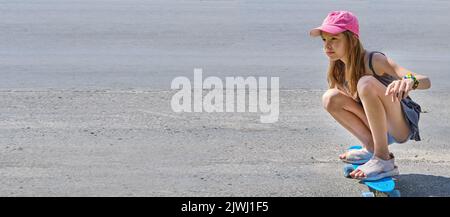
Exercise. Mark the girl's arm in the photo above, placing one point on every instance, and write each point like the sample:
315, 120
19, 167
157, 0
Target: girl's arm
424, 81
400, 88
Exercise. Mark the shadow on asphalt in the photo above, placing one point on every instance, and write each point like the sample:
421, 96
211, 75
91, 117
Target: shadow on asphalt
420, 185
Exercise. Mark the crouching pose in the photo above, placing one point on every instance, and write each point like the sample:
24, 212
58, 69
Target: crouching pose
368, 95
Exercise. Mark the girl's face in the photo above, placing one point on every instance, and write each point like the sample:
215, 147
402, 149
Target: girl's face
334, 45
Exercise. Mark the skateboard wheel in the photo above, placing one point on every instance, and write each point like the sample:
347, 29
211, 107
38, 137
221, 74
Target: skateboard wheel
368, 194
381, 194
395, 193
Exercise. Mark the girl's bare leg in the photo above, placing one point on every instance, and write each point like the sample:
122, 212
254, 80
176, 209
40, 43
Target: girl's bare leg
383, 116
349, 114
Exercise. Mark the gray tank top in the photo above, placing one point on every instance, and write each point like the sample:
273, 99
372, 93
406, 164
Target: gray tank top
385, 79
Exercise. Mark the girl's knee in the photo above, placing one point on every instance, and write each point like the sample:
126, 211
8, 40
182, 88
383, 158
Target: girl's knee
332, 100
366, 85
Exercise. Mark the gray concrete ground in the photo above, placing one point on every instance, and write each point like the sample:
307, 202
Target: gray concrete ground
85, 97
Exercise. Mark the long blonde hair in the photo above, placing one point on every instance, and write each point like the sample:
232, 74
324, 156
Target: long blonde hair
338, 72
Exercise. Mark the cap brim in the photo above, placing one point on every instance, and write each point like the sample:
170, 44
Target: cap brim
326, 28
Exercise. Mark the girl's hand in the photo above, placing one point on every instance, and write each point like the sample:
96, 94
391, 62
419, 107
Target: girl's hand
399, 89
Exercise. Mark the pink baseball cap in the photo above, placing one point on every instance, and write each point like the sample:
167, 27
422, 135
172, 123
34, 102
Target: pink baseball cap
337, 22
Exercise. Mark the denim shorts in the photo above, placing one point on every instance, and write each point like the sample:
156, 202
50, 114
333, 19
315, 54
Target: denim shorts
392, 140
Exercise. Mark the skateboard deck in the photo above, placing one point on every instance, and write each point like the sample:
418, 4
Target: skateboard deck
382, 187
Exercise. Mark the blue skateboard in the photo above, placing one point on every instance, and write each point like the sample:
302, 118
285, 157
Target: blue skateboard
379, 188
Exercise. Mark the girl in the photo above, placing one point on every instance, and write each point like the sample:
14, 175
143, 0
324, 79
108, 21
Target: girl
368, 96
